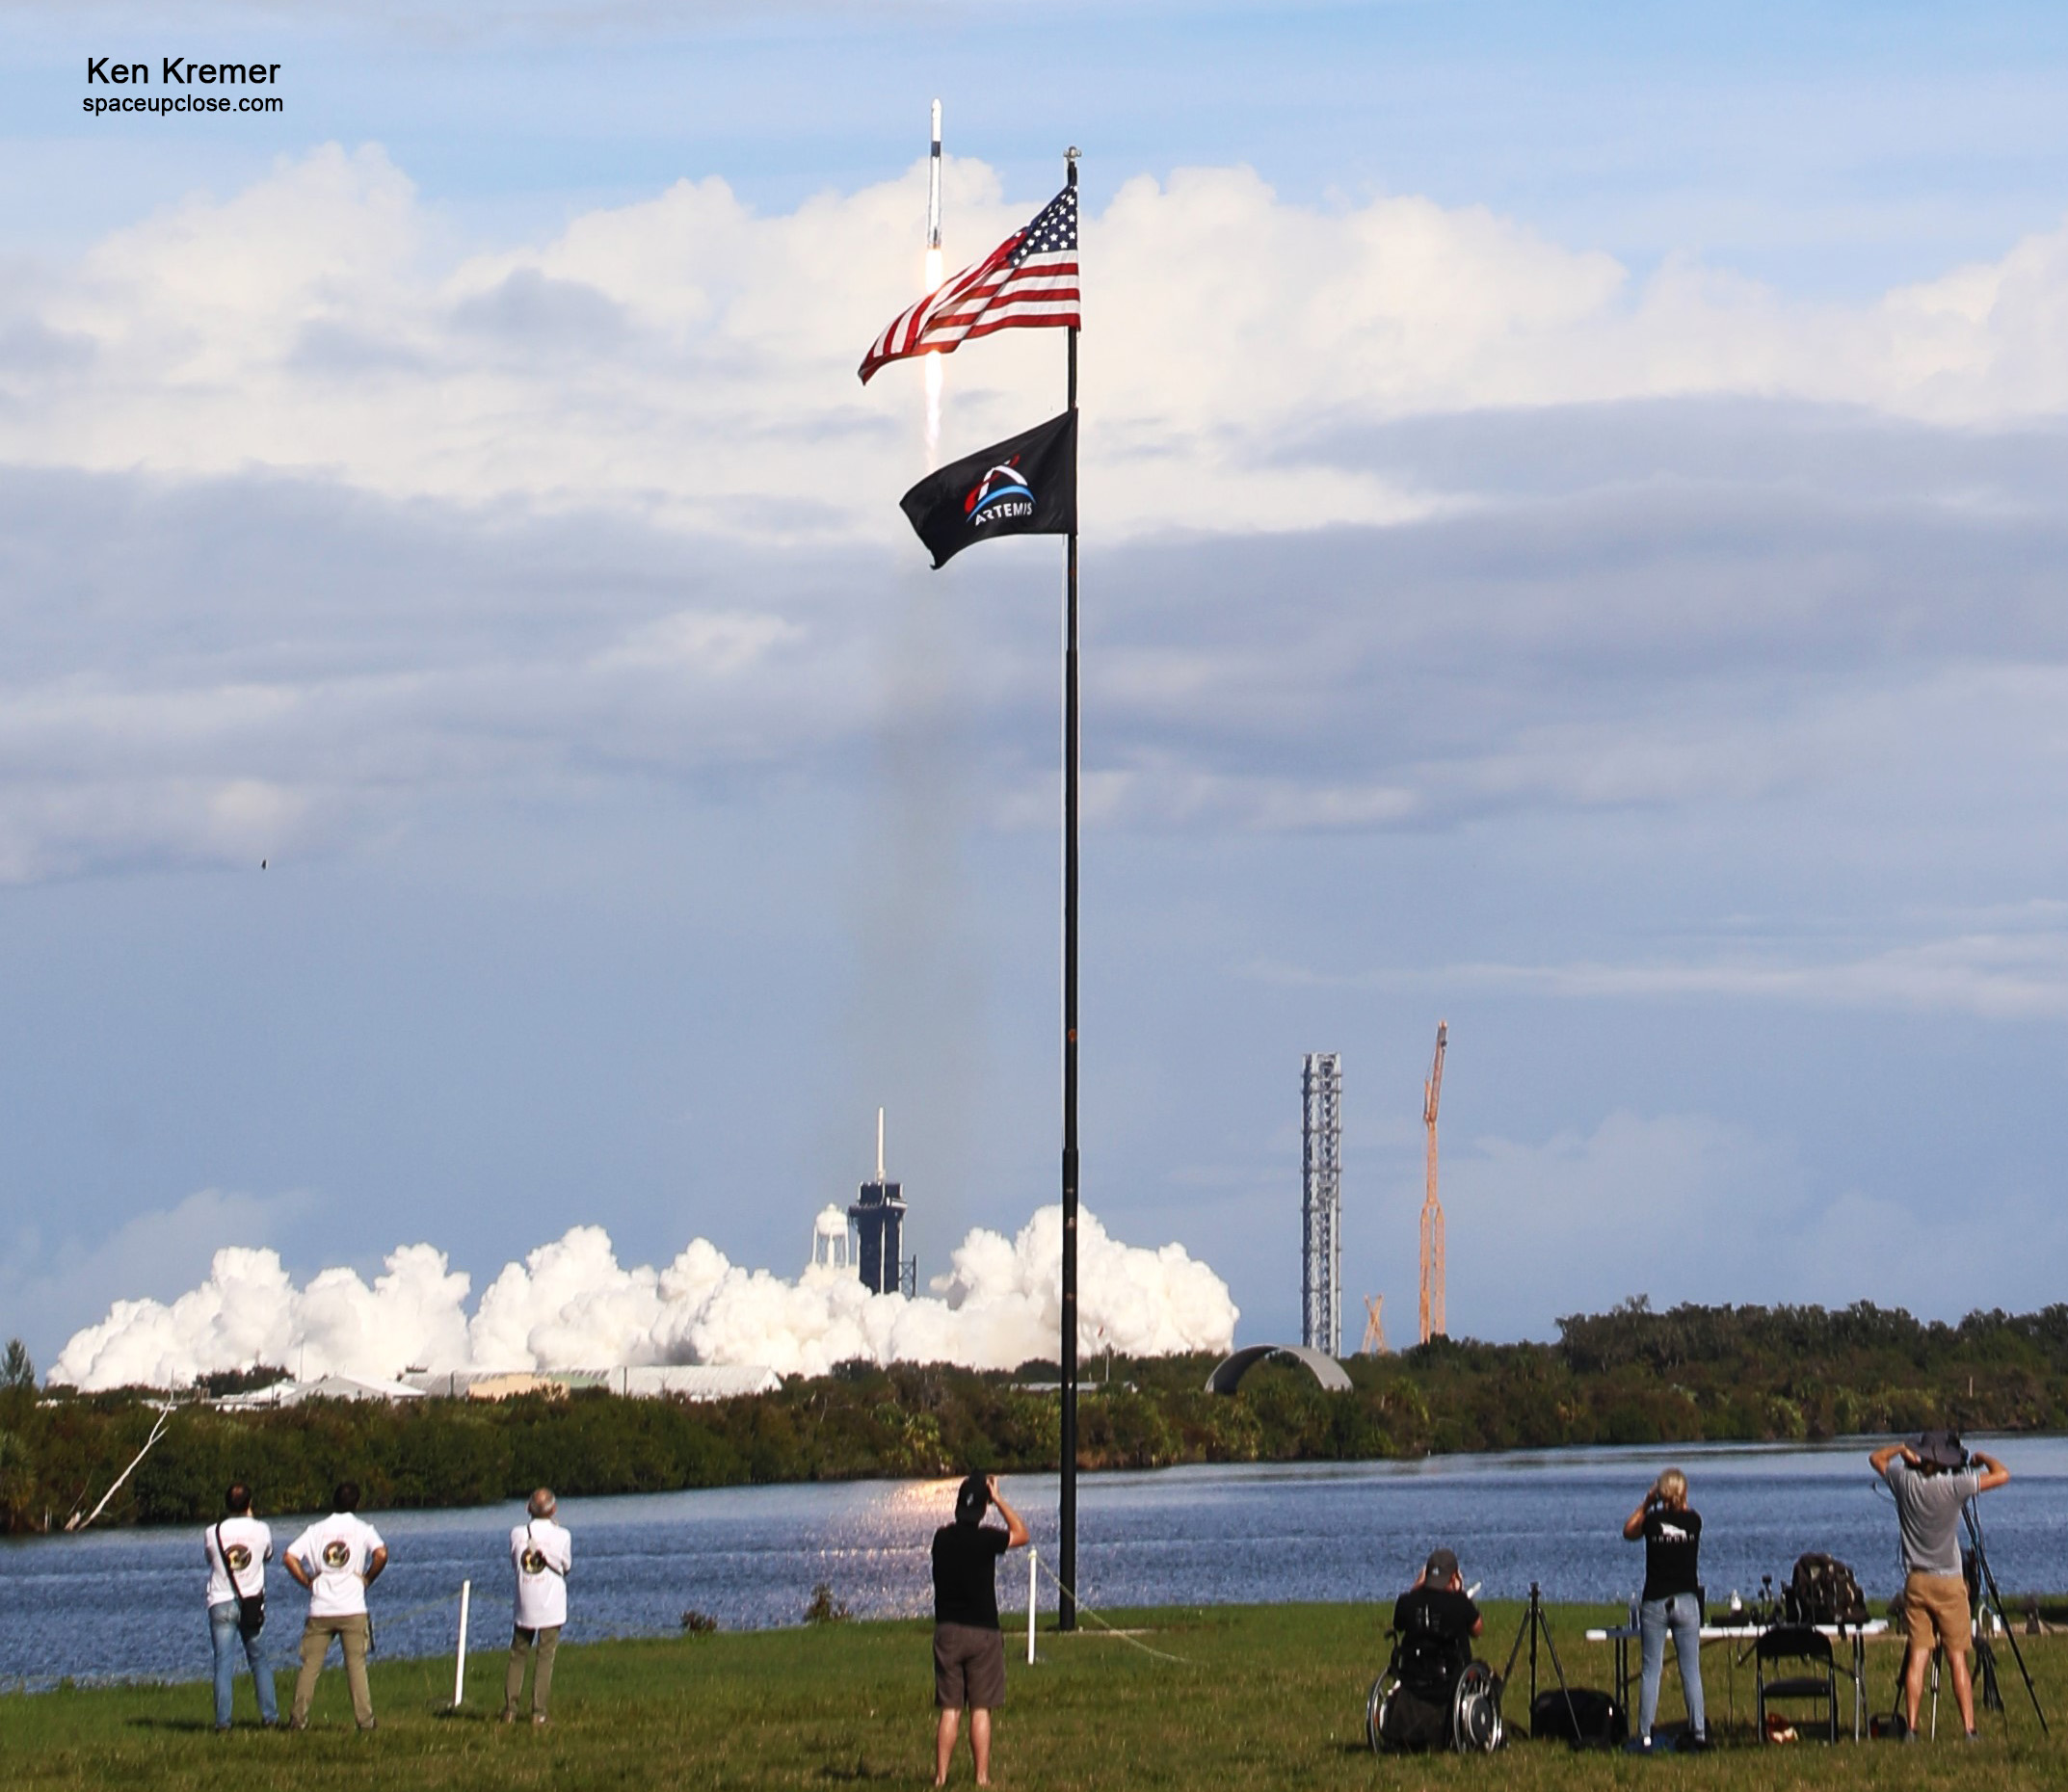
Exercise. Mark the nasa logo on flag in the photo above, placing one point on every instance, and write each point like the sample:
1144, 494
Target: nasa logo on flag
1001, 493
1027, 485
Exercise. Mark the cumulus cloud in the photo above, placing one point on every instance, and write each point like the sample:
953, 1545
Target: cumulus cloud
689, 357
570, 1305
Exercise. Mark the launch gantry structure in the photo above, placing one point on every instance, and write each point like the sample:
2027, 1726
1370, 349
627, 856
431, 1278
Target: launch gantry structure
1321, 1204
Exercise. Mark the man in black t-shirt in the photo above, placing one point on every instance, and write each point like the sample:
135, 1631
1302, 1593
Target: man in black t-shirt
969, 1647
1436, 1622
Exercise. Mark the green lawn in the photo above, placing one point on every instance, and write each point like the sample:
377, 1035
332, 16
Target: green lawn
1264, 1696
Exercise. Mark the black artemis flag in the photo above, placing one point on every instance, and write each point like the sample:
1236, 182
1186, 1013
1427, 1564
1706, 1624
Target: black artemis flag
1027, 485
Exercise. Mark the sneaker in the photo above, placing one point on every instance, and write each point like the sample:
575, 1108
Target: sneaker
1637, 1745
1691, 1741
539, 1718
1974, 1735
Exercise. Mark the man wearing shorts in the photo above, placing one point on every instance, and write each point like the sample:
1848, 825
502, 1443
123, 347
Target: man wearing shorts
968, 1648
1932, 1480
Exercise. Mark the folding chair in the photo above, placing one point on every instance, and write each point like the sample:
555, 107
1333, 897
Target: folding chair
1816, 1679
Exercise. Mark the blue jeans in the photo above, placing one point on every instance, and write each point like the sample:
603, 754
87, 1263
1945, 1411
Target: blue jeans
230, 1642
1682, 1614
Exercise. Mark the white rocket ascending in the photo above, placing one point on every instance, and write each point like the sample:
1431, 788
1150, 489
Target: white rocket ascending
933, 281
933, 186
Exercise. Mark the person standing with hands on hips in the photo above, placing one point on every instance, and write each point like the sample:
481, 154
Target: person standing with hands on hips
1672, 1537
968, 1646
541, 1552
337, 1559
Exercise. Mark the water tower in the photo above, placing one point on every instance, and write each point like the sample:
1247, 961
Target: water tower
833, 1246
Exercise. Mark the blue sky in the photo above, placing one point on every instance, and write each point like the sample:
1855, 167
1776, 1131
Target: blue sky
1574, 550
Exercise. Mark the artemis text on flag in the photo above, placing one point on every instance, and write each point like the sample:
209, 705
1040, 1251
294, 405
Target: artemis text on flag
1028, 282
1027, 485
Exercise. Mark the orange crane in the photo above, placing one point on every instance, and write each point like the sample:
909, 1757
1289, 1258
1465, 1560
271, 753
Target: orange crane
1432, 1210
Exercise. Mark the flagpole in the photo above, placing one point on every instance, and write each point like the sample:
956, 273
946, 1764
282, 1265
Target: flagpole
1067, 1605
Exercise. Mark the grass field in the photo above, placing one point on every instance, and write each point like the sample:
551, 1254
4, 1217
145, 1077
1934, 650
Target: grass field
1262, 1695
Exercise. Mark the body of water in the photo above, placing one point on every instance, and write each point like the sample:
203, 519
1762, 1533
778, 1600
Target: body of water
129, 1604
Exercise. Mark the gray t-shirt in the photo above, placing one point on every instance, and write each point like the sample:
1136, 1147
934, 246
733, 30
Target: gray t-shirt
1927, 1507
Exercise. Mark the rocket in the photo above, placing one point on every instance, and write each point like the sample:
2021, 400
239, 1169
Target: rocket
933, 186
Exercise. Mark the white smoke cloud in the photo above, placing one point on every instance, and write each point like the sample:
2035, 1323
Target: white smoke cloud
570, 1305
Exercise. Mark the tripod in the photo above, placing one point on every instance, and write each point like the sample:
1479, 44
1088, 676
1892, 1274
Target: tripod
1534, 1625
1988, 1597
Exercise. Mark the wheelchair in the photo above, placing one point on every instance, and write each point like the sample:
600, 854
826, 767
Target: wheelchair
1397, 1719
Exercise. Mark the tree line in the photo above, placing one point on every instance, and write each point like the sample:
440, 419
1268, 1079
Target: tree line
1630, 1376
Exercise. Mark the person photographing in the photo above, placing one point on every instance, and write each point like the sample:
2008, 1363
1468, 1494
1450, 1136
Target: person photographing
1671, 1532
1932, 1480
968, 1645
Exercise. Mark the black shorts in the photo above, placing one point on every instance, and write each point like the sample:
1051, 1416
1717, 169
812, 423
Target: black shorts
969, 1667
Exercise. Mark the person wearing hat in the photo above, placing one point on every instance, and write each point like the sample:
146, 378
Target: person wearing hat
1932, 1480
968, 1646
1436, 1622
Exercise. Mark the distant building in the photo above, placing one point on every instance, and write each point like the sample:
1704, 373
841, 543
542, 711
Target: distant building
680, 1380
324, 1387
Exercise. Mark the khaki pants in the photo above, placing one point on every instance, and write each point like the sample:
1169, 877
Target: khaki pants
316, 1635
541, 1683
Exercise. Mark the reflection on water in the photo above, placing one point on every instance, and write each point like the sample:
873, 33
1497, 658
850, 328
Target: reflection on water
130, 1602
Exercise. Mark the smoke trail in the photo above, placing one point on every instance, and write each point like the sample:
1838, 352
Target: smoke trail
570, 1305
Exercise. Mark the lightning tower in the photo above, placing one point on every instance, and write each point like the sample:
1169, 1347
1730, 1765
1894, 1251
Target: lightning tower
1321, 1204
1432, 1210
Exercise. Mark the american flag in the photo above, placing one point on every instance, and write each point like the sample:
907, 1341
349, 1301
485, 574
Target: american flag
1027, 282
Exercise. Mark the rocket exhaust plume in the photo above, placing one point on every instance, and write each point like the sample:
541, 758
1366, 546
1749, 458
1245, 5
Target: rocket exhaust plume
570, 1304
933, 280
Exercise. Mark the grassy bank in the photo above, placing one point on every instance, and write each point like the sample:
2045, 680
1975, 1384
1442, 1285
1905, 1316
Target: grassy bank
1262, 1696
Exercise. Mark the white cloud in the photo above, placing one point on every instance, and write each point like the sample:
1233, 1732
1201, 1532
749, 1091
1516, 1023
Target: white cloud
570, 1305
692, 359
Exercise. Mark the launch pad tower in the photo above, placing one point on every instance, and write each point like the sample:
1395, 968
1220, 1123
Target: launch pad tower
879, 1218
1321, 1204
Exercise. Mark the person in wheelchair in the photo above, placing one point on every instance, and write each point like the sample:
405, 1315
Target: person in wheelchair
1433, 1693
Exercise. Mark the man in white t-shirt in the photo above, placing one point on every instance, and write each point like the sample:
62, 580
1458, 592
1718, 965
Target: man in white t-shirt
337, 1559
237, 1548
541, 1552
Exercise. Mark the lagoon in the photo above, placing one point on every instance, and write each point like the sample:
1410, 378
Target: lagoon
127, 1604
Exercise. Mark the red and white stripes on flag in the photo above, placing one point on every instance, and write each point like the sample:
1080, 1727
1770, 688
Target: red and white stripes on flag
1028, 282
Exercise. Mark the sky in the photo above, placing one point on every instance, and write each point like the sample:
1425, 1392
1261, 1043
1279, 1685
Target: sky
1573, 548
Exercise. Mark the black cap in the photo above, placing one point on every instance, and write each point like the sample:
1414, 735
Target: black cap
1442, 1565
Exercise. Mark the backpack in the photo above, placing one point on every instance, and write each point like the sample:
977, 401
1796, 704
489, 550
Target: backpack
1583, 1717
1822, 1590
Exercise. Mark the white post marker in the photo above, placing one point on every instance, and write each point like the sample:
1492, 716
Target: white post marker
459, 1665
1031, 1563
